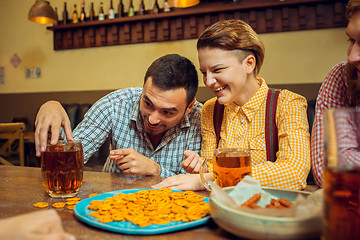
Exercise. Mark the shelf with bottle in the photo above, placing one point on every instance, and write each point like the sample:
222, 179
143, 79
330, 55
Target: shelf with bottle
157, 24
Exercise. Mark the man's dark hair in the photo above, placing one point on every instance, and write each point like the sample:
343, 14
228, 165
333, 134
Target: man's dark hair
173, 71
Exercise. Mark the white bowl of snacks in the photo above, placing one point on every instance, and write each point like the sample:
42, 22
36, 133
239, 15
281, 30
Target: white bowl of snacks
247, 223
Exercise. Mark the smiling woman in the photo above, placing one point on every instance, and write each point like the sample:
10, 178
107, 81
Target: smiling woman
230, 56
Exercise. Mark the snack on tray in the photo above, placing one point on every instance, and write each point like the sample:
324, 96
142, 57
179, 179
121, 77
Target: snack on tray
275, 203
93, 195
153, 206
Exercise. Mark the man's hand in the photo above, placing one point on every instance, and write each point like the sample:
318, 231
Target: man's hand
182, 182
132, 162
50, 118
191, 162
38, 225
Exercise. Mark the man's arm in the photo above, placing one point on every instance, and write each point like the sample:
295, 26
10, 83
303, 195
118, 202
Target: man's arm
332, 94
133, 163
50, 118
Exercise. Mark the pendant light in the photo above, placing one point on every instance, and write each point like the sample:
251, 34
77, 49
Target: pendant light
183, 3
42, 12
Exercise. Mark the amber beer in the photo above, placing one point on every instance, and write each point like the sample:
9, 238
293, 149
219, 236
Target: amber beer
231, 166
342, 204
62, 169
341, 173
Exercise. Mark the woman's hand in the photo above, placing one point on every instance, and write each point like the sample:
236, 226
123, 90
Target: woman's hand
182, 182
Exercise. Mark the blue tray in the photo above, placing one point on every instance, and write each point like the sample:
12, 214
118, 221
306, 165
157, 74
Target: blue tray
83, 213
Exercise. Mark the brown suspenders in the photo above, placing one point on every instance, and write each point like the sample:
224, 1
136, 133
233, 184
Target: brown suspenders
271, 134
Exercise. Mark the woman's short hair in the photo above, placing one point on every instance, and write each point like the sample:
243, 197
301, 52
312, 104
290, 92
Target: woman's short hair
234, 35
351, 7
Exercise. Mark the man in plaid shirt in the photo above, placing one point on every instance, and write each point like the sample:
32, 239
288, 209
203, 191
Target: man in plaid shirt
151, 128
341, 88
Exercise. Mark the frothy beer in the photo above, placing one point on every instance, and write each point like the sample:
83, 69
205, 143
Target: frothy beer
231, 166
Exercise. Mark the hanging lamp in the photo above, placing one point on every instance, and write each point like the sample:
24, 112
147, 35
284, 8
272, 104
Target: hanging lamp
183, 3
42, 12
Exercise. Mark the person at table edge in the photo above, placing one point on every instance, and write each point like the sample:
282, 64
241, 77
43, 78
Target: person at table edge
230, 56
152, 128
341, 88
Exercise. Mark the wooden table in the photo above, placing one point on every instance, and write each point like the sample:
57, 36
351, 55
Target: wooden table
21, 187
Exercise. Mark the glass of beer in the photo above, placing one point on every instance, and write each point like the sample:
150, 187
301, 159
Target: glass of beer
229, 166
62, 168
342, 173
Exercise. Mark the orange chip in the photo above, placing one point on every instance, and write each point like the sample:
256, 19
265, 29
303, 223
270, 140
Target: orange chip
148, 207
71, 207
59, 205
72, 202
73, 199
41, 205
93, 195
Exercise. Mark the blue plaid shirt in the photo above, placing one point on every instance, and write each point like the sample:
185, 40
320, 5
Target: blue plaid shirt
118, 115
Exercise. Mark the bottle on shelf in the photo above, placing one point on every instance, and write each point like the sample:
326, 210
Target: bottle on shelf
131, 9
92, 12
111, 11
142, 8
82, 14
75, 17
167, 7
156, 7
101, 12
121, 9
57, 17
65, 14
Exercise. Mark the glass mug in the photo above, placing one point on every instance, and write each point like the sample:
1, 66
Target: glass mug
342, 173
62, 167
230, 166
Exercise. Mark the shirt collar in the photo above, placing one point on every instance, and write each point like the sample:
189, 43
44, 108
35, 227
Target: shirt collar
251, 107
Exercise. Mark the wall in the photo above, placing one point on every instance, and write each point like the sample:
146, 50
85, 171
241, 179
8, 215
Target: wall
291, 57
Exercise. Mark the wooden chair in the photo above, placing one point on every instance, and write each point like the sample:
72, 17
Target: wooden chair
12, 132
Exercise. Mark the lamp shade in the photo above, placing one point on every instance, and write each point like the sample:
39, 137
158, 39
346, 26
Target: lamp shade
42, 12
183, 3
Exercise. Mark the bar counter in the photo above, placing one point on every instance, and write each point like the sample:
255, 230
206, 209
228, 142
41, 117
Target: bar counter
21, 187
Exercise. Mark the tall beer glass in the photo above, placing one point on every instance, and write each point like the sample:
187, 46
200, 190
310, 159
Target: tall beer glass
342, 173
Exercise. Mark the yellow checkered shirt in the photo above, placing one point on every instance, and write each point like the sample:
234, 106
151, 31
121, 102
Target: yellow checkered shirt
245, 125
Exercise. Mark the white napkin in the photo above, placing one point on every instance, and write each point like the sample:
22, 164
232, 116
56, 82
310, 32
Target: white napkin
247, 188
